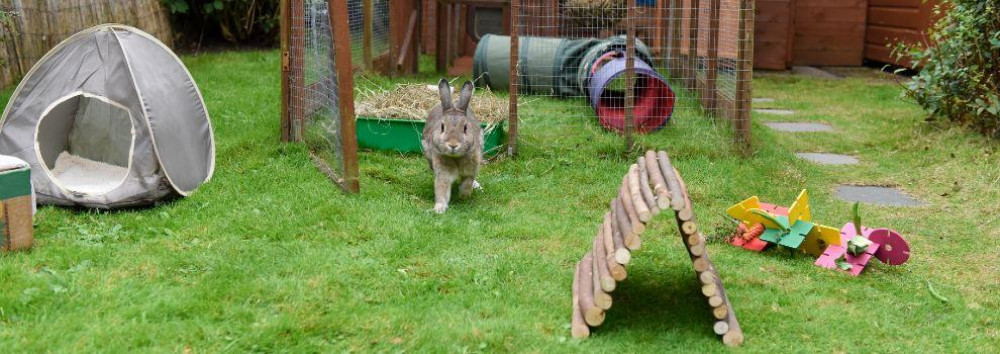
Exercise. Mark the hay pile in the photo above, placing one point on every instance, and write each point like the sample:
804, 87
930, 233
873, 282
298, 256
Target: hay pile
413, 101
594, 14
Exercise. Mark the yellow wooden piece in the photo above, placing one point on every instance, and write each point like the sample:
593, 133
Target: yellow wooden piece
819, 238
741, 211
800, 209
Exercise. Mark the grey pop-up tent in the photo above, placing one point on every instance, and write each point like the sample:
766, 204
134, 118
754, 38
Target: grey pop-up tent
109, 118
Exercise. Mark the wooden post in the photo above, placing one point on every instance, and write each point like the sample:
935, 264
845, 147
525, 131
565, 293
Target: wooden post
659, 32
692, 60
744, 73
515, 11
676, 16
708, 96
369, 19
286, 118
505, 14
406, 63
458, 32
297, 76
403, 19
345, 91
629, 76
443, 58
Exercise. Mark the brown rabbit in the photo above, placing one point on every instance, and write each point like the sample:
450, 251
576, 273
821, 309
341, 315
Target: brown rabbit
453, 143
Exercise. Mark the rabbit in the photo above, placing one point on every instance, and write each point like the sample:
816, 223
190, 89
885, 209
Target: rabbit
453, 144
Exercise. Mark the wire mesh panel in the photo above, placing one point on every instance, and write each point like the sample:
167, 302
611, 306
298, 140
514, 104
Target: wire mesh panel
631, 65
369, 23
313, 111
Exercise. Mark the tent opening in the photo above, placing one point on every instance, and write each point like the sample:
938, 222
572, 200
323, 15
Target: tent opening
85, 143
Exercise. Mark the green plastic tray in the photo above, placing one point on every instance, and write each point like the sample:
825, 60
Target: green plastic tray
404, 135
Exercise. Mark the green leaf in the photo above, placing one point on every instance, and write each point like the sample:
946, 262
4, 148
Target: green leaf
857, 218
770, 218
218, 4
843, 265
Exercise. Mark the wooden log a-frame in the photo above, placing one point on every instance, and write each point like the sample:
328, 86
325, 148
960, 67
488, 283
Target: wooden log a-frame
652, 185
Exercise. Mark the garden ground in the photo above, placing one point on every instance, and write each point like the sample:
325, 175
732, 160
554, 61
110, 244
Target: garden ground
269, 256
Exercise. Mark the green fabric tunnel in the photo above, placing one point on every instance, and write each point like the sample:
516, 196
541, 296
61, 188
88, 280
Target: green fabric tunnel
548, 66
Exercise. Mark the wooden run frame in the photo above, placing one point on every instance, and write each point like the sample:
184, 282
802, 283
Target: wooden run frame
671, 16
451, 36
292, 70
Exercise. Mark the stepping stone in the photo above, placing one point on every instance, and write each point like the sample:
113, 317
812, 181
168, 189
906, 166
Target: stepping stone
812, 71
795, 127
876, 195
763, 100
777, 112
827, 159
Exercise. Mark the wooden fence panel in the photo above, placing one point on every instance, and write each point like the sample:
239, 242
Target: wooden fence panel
29, 29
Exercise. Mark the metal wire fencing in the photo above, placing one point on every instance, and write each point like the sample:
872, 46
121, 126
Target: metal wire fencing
633, 65
312, 88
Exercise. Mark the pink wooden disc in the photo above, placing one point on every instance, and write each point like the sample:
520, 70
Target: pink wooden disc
894, 251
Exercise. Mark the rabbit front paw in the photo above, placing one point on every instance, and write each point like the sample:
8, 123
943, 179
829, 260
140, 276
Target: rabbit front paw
440, 208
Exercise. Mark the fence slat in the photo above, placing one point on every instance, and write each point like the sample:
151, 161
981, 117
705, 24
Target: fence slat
29, 29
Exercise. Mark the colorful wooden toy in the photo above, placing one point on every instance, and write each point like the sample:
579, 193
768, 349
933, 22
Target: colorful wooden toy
792, 227
787, 227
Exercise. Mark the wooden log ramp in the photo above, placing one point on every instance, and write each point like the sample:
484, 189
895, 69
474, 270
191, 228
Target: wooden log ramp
650, 186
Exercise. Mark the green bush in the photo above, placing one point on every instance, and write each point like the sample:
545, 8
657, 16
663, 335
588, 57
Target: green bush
242, 22
960, 74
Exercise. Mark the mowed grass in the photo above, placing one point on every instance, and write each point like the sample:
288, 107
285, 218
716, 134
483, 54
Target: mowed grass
270, 256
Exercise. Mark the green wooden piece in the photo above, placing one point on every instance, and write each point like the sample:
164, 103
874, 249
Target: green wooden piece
858, 245
15, 183
797, 234
771, 235
793, 238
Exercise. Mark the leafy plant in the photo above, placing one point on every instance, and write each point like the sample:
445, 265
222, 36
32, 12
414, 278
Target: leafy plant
960, 71
251, 22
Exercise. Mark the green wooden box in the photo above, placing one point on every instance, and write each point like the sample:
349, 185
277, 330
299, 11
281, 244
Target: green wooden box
16, 205
404, 135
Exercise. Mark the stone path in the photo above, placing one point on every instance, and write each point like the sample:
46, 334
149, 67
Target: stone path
799, 127
812, 71
851, 193
777, 112
828, 159
876, 195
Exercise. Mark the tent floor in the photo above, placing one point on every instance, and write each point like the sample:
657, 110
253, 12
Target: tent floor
87, 176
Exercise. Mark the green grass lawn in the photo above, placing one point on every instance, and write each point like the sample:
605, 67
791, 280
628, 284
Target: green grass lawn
270, 256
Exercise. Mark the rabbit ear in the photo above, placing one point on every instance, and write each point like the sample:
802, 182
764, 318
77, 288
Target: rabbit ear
444, 88
466, 96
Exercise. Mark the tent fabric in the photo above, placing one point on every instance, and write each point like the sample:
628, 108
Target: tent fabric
115, 95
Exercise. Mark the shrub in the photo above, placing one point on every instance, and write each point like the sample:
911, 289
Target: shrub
960, 74
243, 22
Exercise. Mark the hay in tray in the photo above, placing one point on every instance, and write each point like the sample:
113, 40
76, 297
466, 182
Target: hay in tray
594, 13
413, 101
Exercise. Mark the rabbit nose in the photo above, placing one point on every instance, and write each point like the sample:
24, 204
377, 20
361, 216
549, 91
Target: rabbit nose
453, 146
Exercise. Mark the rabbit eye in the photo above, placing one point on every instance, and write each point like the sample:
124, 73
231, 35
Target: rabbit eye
442, 127
466, 129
